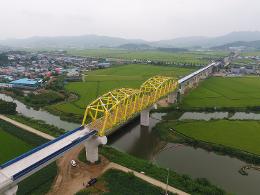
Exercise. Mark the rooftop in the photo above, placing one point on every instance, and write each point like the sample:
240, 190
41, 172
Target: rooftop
25, 81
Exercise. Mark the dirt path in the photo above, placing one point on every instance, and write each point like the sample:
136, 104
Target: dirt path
70, 179
27, 128
148, 179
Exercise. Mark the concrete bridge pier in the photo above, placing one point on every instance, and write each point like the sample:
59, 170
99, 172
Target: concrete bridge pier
145, 116
11, 191
182, 88
172, 98
191, 83
91, 147
197, 80
178, 96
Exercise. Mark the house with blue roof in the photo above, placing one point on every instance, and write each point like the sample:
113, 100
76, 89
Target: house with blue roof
27, 83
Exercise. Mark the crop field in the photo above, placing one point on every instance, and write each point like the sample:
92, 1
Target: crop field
243, 62
189, 58
117, 182
14, 142
8, 140
239, 92
256, 53
101, 81
242, 135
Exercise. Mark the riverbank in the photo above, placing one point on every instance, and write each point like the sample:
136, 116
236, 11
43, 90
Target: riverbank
231, 138
38, 124
26, 127
182, 182
40, 114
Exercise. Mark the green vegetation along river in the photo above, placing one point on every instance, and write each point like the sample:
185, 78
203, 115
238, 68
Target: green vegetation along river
144, 143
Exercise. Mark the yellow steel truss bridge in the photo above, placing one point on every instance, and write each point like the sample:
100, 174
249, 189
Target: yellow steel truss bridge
118, 106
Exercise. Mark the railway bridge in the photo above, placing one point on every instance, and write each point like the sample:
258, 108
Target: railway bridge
102, 117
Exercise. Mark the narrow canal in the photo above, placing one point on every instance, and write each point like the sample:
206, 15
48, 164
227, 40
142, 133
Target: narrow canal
142, 142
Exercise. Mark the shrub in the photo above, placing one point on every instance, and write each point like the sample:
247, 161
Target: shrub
7, 107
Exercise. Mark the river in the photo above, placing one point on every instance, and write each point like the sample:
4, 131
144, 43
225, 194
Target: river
143, 143
40, 114
219, 115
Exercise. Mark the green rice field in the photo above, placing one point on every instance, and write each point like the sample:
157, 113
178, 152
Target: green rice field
14, 142
242, 135
18, 146
237, 92
101, 81
189, 58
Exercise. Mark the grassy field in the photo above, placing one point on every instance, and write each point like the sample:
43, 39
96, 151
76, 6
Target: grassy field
189, 58
237, 92
256, 53
117, 182
242, 135
15, 141
6, 141
101, 81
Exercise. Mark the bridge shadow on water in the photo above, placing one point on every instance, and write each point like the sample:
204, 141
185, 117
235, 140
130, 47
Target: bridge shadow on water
137, 140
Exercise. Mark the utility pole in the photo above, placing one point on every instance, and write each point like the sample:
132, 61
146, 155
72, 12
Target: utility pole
166, 190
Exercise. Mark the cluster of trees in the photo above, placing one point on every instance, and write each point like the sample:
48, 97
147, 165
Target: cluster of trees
57, 84
43, 99
3, 59
7, 107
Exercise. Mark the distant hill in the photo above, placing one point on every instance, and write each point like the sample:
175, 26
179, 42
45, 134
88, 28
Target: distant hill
86, 41
95, 41
251, 45
211, 41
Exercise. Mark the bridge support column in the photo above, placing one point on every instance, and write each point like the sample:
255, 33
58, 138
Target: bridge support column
197, 80
182, 88
145, 117
172, 98
11, 191
178, 96
91, 147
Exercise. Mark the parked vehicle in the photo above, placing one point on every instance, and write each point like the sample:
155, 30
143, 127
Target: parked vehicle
73, 163
91, 182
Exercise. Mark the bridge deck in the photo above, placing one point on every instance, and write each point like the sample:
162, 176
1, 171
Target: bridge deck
16, 168
195, 73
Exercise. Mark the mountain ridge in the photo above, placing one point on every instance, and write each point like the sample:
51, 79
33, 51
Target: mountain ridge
97, 41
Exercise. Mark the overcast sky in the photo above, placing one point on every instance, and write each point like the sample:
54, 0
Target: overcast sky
146, 19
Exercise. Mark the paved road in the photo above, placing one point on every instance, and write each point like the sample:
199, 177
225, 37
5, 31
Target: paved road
27, 128
146, 178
